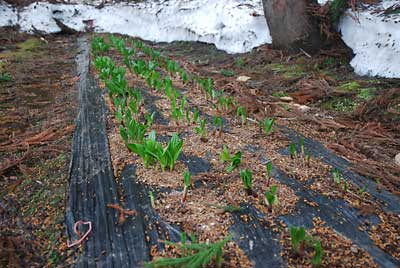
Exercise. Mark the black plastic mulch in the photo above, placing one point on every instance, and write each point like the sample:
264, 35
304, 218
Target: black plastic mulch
92, 186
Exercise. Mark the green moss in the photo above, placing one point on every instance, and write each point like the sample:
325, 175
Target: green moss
341, 104
5, 77
227, 73
350, 86
367, 93
287, 71
2, 66
29, 44
279, 94
24, 49
239, 62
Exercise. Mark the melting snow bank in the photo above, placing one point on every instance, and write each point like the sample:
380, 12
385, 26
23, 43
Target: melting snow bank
235, 26
374, 38
8, 15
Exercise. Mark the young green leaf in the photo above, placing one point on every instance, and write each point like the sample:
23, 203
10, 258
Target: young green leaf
336, 176
298, 236
201, 130
152, 200
302, 151
186, 183
123, 133
292, 150
268, 168
218, 123
225, 155
268, 123
174, 149
187, 116
308, 159
317, 259
195, 115
363, 189
247, 179
234, 162
241, 112
271, 197
149, 118
186, 179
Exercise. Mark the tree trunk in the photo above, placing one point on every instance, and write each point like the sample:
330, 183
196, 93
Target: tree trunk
291, 26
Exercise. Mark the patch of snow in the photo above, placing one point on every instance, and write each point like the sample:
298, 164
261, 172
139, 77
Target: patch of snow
397, 159
375, 40
235, 26
323, 2
8, 15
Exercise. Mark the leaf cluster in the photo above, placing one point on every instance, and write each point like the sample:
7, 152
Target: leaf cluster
194, 254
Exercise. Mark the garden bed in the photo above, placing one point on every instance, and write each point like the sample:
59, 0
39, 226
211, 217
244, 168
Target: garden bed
315, 188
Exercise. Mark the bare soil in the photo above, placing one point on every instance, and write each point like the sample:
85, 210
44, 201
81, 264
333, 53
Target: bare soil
37, 120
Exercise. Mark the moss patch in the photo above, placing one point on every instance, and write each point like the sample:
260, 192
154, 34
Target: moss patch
342, 104
23, 50
350, 86
227, 73
287, 71
279, 94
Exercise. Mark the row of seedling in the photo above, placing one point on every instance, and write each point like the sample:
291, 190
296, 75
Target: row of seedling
127, 104
177, 114
154, 81
174, 70
148, 71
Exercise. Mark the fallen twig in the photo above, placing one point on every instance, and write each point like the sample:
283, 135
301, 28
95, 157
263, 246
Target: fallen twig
122, 212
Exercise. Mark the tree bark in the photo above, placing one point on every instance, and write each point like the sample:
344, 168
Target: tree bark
291, 27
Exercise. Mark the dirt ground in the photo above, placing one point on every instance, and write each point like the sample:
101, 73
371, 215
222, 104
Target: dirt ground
356, 117
38, 101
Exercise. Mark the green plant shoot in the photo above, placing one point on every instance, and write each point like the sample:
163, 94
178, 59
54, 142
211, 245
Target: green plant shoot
218, 123
241, 112
201, 130
152, 200
271, 196
225, 155
336, 176
234, 162
247, 179
317, 259
298, 237
292, 150
186, 183
195, 115
268, 123
268, 169
302, 151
